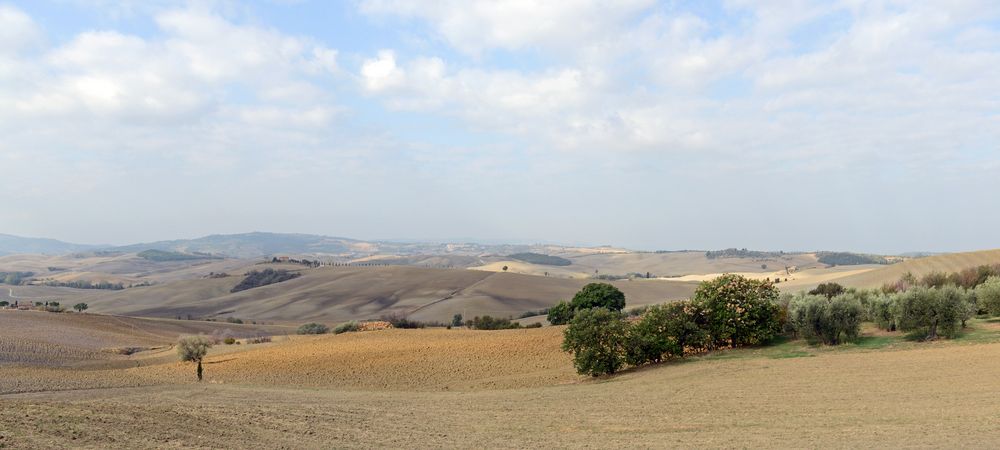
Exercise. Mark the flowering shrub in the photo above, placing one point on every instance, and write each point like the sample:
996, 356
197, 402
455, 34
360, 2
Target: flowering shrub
739, 311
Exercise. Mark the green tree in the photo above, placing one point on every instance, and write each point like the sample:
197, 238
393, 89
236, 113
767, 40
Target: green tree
596, 338
988, 295
739, 311
598, 295
4, 303
80, 307
456, 320
560, 314
193, 349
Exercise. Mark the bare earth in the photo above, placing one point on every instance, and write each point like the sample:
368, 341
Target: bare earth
513, 389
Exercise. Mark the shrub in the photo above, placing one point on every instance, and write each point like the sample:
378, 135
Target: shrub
935, 280
540, 312
234, 320
80, 307
230, 341
492, 323
667, 331
828, 290
533, 325
596, 338
560, 314
312, 328
829, 320
400, 321
931, 312
739, 311
258, 339
346, 327
4, 303
988, 295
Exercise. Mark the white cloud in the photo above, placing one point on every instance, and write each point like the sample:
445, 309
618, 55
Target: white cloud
381, 72
17, 30
474, 26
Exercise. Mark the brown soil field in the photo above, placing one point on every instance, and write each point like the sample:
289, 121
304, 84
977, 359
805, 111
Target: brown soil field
489, 389
86, 340
338, 294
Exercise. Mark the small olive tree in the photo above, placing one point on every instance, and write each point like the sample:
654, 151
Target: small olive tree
80, 307
193, 349
597, 338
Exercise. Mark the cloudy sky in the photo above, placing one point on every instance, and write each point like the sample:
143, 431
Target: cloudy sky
796, 125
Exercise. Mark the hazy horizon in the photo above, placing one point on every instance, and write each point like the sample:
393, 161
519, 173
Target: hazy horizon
855, 126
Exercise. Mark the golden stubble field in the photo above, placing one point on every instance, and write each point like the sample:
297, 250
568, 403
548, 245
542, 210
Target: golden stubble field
455, 388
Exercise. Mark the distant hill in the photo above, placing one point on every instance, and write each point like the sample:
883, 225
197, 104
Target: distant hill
248, 245
162, 255
10, 245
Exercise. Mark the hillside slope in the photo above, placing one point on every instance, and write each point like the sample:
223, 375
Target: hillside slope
344, 293
952, 262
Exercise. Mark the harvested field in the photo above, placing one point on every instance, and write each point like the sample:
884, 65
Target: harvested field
69, 339
937, 395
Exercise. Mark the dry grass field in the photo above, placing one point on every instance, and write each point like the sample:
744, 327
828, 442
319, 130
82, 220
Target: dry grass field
516, 389
952, 262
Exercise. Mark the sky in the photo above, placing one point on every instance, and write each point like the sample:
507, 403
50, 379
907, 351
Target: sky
795, 125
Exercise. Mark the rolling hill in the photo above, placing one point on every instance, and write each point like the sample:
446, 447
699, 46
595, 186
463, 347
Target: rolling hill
336, 294
948, 263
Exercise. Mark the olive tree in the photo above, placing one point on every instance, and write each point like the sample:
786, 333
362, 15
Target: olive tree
832, 320
597, 339
80, 307
988, 295
931, 312
193, 349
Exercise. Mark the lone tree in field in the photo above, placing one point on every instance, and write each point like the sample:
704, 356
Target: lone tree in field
80, 307
193, 349
504, 268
